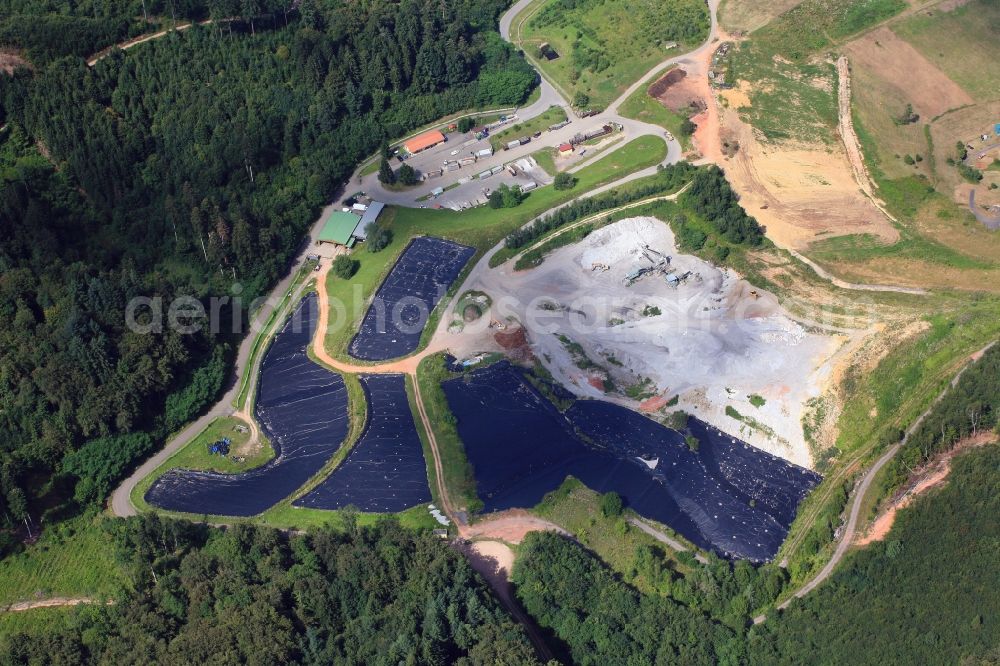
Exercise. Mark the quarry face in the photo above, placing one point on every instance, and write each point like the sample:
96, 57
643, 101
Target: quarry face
623, 316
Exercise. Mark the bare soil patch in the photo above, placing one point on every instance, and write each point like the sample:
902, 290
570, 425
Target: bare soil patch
514, 342
11, 60
509, 526
677, 91
905, 69
923, 479
654, 404
800, 192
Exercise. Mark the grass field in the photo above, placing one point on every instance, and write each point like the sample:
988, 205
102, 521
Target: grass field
962, 42
749, 15
793, 96
576, 508
37, 622
605, 46
546, 158
876, 105
640, 106
72, 559
195, 454
458, 474
480, 227
789, 101
813, 25
541, 122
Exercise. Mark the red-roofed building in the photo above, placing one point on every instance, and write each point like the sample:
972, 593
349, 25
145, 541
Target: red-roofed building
565, 149
424, 141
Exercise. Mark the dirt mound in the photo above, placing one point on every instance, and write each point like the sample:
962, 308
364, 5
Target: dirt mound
653, 404
514, 342
670, 78
510, 526
676, 91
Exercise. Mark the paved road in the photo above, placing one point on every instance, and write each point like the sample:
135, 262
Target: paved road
549, 97
977, 154
121, 502
847, 538
991, 223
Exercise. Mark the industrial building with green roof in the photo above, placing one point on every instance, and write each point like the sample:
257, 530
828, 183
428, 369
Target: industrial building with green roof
339, 228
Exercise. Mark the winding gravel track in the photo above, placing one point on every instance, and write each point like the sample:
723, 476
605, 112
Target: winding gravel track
850, 528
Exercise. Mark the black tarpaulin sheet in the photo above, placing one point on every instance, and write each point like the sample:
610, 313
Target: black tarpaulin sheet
394, 321
301, 407
386, 471
521, 447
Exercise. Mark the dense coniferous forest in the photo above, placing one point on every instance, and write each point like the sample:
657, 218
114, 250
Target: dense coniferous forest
925, 595
971, 408
191, 165
599, 619
711, 197
378, 595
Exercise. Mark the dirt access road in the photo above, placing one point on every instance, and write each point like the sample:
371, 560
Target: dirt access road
142, 39
929, 477
849, 533
51, 602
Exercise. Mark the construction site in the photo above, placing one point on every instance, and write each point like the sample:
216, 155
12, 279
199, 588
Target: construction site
622, 316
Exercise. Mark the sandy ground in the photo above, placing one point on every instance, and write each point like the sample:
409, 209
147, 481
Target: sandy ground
11, 60
798, 191
714, 343
509, 526
930, 476
907, 70
499, 553
52, 602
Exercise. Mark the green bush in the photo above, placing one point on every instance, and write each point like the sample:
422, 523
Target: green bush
506, 197
378, 239
406, 175
466, 124
344, 267
564, 181
611, 505
386, 176
692, 442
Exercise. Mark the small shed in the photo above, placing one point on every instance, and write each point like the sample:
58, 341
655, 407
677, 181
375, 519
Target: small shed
565, 149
